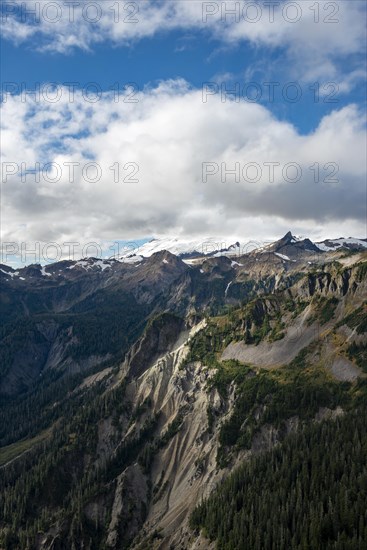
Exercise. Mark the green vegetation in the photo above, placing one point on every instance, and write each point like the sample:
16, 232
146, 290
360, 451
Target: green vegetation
361, 271
13, 335
110, 332
357, 320
50, 478
265, 398
227, 372
251, 323
172, 430
327, 309
277, 332
12, 451
358, 353
141, 409
310, 492
43, 404
104, 324
324, 309
272, 397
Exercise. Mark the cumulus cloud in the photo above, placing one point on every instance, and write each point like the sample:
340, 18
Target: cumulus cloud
315, 37
185, 168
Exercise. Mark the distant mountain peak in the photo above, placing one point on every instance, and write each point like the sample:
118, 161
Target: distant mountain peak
290, 243
288, 238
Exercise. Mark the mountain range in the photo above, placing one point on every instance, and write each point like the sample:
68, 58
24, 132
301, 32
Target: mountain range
219, 247
141, 394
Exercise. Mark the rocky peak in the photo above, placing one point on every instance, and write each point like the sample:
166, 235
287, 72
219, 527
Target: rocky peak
289, 241
167, 259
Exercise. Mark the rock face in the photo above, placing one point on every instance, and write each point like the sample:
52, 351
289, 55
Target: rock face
184, 469
187, 463
129, 507
161, 334
273, 354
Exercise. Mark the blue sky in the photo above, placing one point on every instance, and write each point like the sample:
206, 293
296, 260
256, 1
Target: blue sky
195, 57
171, 50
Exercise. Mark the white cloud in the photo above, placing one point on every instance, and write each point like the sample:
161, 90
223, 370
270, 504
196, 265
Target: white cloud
316, 36
169, 134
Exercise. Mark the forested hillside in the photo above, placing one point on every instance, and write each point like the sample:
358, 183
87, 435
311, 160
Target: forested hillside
310, 492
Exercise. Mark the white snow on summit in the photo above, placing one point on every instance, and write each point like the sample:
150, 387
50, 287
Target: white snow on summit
334, 244
180, 247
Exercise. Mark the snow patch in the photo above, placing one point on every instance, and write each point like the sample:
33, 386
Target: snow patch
131, 259
282, 256
44, 272
226, 290
90, 264
10, 274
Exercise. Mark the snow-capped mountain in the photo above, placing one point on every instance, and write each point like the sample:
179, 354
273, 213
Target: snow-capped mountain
215, 247
182, 248
334, 244
288, 248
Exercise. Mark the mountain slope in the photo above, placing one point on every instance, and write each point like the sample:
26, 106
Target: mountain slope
229, 358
